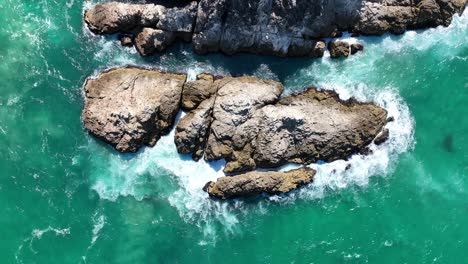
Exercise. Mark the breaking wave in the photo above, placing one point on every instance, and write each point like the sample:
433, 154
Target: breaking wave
141, 175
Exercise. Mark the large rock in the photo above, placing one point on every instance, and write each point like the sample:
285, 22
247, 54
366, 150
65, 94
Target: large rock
197, 91
112, 17
247, 124
273, 27
314, 126
150, 41
193, 129
131, 107
339, 49
254, 183
237, 99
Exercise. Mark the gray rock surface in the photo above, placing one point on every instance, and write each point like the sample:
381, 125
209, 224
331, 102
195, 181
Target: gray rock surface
273, 27
254, 183
130, 107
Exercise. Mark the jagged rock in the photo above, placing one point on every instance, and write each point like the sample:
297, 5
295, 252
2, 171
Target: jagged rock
113, 17
209, 26
356, 47
125, 40
130, 107
192, 130
250, 128
312, 126
236, 101
382, 137
274, 27
303, 47
196, 91
150, 41
254, 183
179, 19
338, 49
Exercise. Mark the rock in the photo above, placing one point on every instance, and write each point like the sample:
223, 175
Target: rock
150, 41
251, 128
113, 17
356, 47
314, 126
274, 27
130, 107
197, 91
193, 129
382, 137
209, 26
241, 120
236, 101
179, 19
338, 49
125, 40
302, 47
254, 183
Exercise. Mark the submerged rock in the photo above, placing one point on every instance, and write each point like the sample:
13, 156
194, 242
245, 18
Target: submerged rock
254, 183
131, 107
275, 27
113, 17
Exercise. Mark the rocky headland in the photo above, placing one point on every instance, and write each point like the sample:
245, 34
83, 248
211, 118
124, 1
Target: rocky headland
244, 120
273, 27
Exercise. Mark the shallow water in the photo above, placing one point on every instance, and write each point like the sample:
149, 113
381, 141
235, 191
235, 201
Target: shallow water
67, 198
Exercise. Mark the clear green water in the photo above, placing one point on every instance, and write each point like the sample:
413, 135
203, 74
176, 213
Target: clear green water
67, 198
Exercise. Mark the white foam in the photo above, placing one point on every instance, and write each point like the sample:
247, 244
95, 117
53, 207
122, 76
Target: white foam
124, 175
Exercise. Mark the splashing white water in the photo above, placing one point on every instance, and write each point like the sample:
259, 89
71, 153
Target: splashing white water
126, 175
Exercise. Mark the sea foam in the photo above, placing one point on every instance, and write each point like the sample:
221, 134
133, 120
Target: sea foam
114, 175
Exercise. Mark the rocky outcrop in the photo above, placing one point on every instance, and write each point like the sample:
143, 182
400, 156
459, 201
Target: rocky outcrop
274, 27
254, 183
113, 17
247, 124
155, 26
242, 120
131, 107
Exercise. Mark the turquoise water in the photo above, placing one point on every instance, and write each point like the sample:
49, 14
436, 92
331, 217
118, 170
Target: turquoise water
67, 198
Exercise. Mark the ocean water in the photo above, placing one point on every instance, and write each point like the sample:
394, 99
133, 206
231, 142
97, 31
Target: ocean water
65, 197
